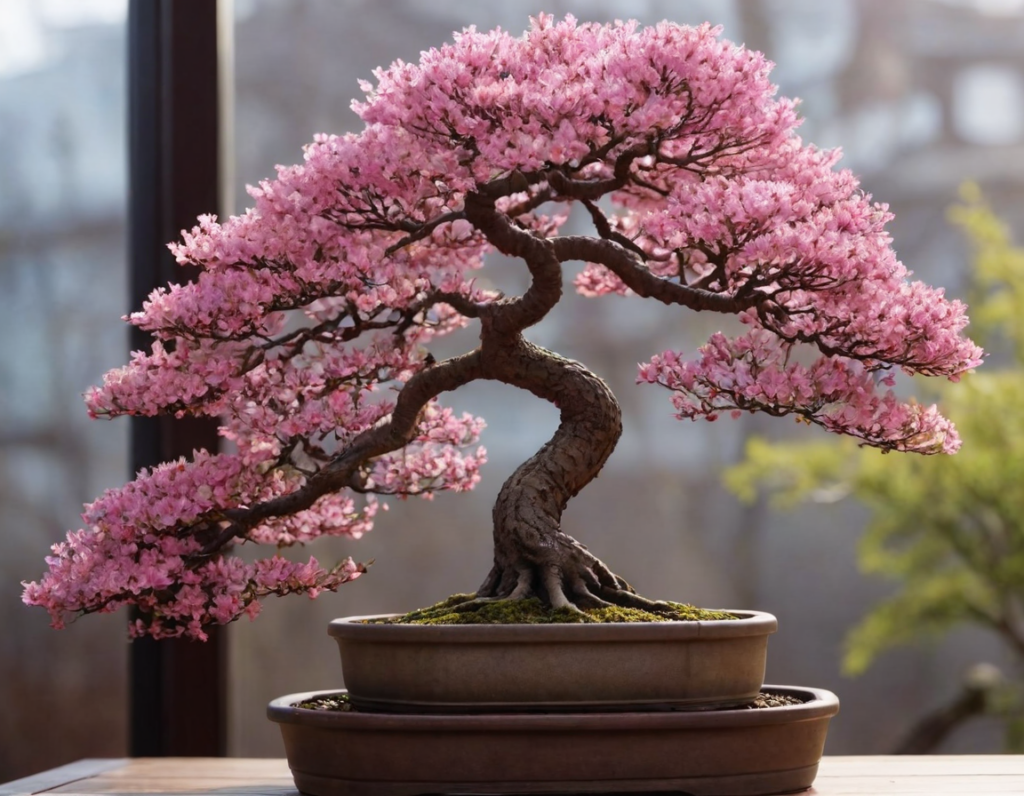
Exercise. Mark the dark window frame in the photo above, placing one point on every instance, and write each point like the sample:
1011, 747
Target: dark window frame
178, 689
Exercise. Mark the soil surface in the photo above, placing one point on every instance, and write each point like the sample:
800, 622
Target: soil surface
341, 702
464, 609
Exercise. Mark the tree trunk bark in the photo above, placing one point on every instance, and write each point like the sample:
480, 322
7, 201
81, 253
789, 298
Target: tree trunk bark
532, 555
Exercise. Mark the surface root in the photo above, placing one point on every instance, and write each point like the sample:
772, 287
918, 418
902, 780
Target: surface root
572, 578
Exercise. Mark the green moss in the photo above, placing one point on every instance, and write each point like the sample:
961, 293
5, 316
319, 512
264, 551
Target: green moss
461, 609
688, 613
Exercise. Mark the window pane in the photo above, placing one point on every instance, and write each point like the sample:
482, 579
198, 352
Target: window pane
63, 288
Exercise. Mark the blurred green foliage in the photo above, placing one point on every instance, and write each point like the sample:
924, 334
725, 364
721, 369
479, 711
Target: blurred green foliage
947, 530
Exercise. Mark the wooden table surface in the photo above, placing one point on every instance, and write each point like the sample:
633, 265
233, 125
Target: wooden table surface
969, 775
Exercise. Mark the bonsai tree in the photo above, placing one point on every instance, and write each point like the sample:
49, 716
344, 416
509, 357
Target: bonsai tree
948, 533
307, 331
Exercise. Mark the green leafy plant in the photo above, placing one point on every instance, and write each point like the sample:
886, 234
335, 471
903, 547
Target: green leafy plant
949, 531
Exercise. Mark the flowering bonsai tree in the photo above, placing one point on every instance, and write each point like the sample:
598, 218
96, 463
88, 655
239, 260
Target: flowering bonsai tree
307, 330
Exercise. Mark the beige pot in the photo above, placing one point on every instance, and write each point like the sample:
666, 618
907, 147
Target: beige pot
495, 668
731, 752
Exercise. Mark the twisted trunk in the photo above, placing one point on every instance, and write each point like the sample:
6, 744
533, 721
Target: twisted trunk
532, 555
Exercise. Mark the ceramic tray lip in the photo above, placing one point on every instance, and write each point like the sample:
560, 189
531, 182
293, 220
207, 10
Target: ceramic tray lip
819, 703
750, 623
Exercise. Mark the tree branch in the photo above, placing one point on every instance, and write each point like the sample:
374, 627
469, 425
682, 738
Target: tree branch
392, 433
604, 229
463, 305
512, 315
589, 190
637, 277
423, 230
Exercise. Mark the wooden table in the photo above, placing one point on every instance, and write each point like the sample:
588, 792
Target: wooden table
968, 775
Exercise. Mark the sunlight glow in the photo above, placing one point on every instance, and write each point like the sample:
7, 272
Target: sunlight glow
24, 24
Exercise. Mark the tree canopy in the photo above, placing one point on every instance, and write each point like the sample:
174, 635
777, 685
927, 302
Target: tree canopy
307, 329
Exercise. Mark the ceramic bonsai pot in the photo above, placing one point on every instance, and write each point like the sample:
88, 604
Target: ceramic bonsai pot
728, 752
500, 668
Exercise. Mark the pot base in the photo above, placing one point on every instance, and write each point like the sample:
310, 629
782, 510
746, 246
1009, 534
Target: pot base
733, 752
762, 784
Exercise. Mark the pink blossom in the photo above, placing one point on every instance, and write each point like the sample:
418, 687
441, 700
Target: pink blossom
754, 373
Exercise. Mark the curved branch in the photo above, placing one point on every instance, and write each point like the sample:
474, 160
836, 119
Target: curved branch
542, 197
394, 432
604, 229
590, 190
515, 182
422, 231
637, 277
463, 305
512, 315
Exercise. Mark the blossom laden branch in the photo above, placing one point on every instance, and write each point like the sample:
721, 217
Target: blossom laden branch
753, 374
421, 231
393, 433
626, 265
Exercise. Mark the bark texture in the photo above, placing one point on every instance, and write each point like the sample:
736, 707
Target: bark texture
532, 555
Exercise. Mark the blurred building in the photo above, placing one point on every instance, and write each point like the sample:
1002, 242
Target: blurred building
921, 95
62, 289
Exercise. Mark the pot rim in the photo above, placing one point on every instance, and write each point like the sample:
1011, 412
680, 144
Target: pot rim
819, 703
749, 623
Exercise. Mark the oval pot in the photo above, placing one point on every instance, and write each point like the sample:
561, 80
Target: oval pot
495, 668
730, 752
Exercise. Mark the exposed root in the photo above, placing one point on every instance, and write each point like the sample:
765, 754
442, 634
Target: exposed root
565, 576
469, 609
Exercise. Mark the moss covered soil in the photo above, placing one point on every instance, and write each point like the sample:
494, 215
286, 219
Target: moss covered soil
463, 609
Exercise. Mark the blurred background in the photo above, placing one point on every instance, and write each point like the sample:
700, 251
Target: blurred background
922, 95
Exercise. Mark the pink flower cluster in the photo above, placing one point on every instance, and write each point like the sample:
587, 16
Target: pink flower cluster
801, 237
129, 552
754, 373
137, 546
434, 459
778, 224
563, 91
